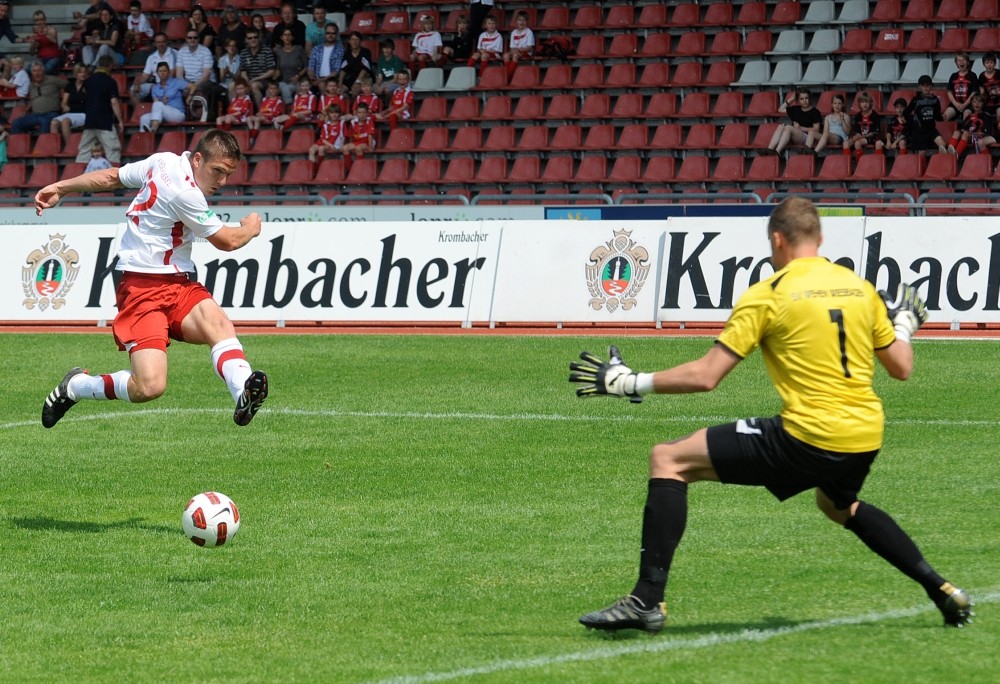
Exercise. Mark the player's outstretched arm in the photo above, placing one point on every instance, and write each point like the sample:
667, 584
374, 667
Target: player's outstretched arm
907, 312
104, 180
229, 238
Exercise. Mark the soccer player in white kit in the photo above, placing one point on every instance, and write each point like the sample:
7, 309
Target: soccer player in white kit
157, 299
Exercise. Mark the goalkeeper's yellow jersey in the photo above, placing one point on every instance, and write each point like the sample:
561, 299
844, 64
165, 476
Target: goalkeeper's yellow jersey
818, 325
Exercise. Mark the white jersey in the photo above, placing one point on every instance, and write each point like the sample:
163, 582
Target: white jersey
426, 43
490, 42
166, 216
522, 40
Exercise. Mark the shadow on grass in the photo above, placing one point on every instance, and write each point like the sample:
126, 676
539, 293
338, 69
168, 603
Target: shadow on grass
767, 624
43, 523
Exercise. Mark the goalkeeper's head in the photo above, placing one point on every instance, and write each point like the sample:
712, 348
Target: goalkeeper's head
794, 231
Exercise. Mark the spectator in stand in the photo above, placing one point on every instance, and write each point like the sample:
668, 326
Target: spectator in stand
366, 97
357, 62
521, 45
196, 65
924, 111
961, 86
231, 28
896, 130
45, 95
359, 136
87, 20
805, 123
291, 62
257, 22
836, 125
289, 20
4, 136
330, 136
106, 38
978, 129
168, 100
459, 46
198, 22
229, 68
389, 64
326, 58
162, 52
867, 127
401, 105
104, 121
19, 82
98, 162
137, 27
333, 93
7, 31
257, 65
989, 84
73, 104
45, 43
316, 31
304, 107
478, 10
426, 47
240, 106
489, 46
271, 107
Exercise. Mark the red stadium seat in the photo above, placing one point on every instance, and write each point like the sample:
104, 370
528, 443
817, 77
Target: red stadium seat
176, 142
626, 169
529, 107
634, 137
589, 76
622, 75
725, 44
299, 141
691, 44
752, 14
525, 169
889, 40
763, 136
493, 169
763, 104
498, 107
554, 19
919, 11
954, 40
983, 10
786, 12
729, 169
395, 22
734, 136
431, 109
330, 171
907, 167
836, 167
857, 41
870, 167
500, 139
43, 173
467, 139
465, 108
557, 77
266, 173
694, 105
561, 107
400, 140
656, 46
700, 136
460, 171
941, 167
47, 145
363, 22
139, 144
534, 138
628, 106
763, 169
526, 76
652, 16
718, 14
666, 137
567, 137
301, 172
600, 137
757, 42
362, 172
693, 169
434, 139
975, 167
655, 75
686, 15
593, 169
662, 105
660, 170
886, 11
688, 75
800, 167
623, 46
587, 17
590, 47
922, 40
620, 16
596, 106
426, 170
729, 104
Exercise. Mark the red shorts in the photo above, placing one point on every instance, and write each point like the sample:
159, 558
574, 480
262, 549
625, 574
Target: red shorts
151, 307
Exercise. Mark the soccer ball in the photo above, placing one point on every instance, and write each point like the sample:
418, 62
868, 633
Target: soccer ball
210, 519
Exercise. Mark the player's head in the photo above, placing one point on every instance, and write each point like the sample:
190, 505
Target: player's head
214, 160
793, 224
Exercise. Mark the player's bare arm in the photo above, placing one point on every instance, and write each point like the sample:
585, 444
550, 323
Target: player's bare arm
229, 238
96, 181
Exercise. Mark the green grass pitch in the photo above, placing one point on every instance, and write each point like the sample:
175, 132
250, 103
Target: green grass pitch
423, 509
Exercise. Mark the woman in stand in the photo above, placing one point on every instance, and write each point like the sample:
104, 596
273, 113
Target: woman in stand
45, 43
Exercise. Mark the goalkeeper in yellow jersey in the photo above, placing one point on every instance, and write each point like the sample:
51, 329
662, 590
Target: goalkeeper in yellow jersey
820, 328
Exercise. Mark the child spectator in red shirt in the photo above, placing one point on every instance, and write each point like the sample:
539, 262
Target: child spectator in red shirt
896, 130
331, 135
400, 104
333, 94
978, 128
271, 107
240, 106
305, 106
367, 98
360, 136
867, 127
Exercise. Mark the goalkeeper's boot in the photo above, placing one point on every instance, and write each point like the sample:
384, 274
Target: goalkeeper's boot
254, 394
955, 605
58, 402
627, 612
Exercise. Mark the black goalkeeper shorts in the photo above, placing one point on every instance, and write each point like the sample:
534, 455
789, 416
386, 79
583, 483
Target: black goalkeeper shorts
759, 452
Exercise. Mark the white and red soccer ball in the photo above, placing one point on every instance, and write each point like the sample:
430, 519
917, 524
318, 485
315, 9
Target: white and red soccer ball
210, 519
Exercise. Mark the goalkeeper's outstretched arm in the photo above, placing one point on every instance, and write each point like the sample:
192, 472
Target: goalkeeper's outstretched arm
700, 375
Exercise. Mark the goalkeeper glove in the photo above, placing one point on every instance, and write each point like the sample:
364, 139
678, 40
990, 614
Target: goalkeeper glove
609, 377
906, 310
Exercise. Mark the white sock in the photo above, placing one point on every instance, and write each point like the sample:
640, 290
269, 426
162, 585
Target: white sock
100, 387
231, 365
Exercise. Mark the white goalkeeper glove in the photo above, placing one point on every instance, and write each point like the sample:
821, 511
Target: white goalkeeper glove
609, 377
906, 310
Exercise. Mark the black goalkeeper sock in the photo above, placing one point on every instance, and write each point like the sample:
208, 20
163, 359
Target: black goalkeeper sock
882, 535
663, 523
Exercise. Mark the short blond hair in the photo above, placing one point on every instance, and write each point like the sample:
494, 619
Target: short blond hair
796, 220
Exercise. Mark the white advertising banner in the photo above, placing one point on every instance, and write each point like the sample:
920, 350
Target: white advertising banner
674, 270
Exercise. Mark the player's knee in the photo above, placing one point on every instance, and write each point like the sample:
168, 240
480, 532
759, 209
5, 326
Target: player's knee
146, 389
830, 510
663, 461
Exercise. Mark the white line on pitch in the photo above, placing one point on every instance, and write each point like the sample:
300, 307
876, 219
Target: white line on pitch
659, 645
81, 416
